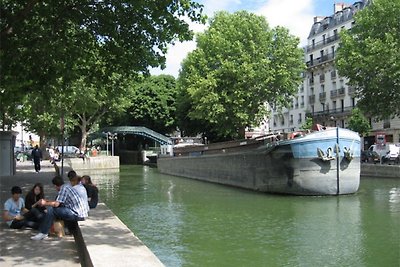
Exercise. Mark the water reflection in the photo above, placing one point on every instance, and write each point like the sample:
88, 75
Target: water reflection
191, 223
394, 199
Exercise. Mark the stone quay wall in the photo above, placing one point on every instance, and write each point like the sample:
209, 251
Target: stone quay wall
380, 171
93, 163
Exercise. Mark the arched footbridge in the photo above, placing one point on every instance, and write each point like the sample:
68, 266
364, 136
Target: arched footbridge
137, 130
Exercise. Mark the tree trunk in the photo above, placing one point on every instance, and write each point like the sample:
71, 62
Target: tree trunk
241, 132
84, 132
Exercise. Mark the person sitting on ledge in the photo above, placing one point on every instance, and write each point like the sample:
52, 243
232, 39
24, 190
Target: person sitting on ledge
35, 213
14, 208
68, 206
92, 191
75, 181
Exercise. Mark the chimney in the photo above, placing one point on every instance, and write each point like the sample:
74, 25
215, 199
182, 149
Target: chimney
318, 18
339, 6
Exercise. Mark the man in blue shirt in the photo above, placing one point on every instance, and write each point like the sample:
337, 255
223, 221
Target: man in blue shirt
68, 206
14, 208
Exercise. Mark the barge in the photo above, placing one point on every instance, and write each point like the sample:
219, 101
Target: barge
324, 162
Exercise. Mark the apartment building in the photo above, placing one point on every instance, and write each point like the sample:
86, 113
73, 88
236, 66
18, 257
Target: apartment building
325, 96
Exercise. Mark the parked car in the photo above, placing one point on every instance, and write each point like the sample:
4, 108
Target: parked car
25, 152
387, 152
370, 156
69, 151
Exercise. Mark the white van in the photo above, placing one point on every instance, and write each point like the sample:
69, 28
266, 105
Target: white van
387, 152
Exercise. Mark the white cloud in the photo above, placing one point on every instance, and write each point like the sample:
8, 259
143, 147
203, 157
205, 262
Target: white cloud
174, 57
297, 16
212, 6
180, 50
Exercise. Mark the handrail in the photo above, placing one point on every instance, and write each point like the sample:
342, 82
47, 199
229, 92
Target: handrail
138, 130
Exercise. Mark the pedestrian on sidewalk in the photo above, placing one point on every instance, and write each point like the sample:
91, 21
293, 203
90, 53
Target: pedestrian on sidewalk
37, 157
68, 206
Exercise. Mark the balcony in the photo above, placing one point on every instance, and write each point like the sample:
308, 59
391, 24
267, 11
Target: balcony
352, 91
338, 93
302, 104
322, 43
290, 122
320, 60
322, 96
337, 113
299, 121
311, 99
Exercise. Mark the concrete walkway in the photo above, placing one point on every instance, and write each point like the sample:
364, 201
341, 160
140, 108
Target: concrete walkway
101, 240
17, 249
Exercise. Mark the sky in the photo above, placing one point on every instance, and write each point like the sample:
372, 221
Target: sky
296, 15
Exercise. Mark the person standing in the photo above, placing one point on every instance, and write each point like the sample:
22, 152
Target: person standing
68, 206
37, 157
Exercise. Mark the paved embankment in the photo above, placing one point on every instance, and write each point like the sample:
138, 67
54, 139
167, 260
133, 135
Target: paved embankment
17, 249
380, 171
101, 240
106, 241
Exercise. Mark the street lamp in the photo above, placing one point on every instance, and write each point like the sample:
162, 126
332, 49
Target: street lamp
112, 136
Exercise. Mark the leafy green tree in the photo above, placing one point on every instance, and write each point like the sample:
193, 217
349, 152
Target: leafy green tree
359, 123
369, 56
152, 104
307, 125
45, 42
239, 64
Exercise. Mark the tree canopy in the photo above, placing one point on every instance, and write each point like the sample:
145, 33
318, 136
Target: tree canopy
359, 123
369, 56
240, 63
152, 104
72, 57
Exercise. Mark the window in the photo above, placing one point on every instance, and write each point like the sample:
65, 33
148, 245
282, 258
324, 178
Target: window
334, 104
353, 102
386, 124
342, 105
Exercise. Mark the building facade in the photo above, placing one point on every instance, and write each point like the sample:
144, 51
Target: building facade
325, 96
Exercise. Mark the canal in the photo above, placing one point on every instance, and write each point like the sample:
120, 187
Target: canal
193, 223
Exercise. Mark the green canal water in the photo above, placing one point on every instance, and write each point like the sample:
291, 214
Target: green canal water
193, 223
